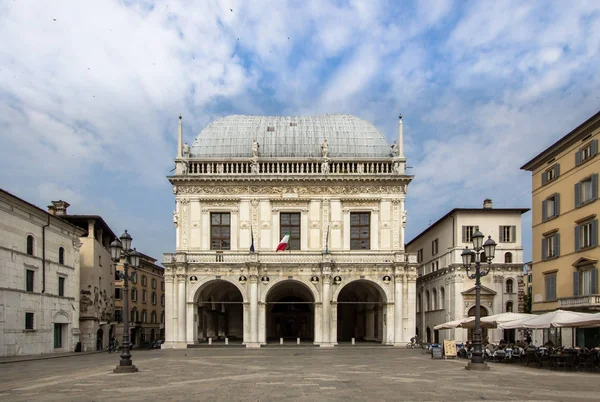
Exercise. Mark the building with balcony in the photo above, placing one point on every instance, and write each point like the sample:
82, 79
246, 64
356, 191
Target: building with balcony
330, 192
39, 280
445, 293
147, 302
565, 224
96, 277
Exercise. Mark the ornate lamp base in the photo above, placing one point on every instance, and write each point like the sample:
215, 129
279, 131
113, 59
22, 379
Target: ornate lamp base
477, 366
125, 369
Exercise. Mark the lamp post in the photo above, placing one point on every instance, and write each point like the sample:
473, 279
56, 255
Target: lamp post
131, 258
489, 249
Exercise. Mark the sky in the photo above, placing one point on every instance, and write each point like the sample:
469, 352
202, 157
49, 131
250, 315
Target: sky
90, 92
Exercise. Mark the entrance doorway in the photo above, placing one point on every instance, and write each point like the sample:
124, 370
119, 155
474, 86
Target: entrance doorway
220, 313
360, 313
290, 312
99, 335
58, 336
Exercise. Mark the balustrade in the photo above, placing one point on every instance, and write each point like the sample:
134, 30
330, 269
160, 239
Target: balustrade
288, 168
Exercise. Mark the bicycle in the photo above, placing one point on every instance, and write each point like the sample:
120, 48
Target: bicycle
415, 343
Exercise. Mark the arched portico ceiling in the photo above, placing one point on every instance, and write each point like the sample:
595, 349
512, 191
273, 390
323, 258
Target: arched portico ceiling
365, 289
282, 287
218, 289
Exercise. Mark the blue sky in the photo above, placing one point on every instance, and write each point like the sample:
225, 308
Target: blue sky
90, 92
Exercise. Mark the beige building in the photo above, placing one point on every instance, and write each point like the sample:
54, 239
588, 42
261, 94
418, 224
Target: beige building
96, 277
146, 303
39, 280
335, 188
565, 224
445, 293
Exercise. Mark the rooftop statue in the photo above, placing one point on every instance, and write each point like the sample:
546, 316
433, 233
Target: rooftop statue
255, 147
324, 148
395, 149
186, 149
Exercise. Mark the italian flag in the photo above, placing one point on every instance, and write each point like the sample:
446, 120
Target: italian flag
283, 243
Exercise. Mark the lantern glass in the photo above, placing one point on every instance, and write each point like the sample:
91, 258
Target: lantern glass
115, 250
490, 248
466, 257
477, 240
126, 241
134, 258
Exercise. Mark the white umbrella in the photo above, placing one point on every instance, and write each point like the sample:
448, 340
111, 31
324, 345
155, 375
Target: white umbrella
552, 319
591, 320
502, 318
453, 324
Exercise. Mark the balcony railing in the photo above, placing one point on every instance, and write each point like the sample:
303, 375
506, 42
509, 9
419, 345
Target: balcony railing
579, 301
288, 257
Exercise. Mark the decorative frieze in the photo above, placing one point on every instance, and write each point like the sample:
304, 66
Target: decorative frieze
280, 190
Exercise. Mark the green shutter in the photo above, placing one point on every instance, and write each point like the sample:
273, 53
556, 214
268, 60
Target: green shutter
544, 178
594, 186
577, 236
556, 170
513, 234
576, 283
594, 280
544, 252
594, 233
544, 210
577, 195
577, 158
594, 147
557, 204
557, 244
464, 234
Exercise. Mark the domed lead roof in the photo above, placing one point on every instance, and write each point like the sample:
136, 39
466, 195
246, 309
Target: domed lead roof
289, 136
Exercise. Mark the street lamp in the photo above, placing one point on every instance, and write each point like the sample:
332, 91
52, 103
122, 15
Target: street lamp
131, 258
489, 249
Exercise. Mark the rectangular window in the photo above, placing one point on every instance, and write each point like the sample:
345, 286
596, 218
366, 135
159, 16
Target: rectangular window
143, 296
467, 233
585, 282
118, 293
220, 231
153, 297
360, 230
586, 152
551, 207
550, 282
61, 286
290, 223
508, 234
118, 315
586, 190
144, 281
162, 285
551, 174
551, 246
162, 300
153, 283
434, 247
586, 235
133, 294
117, 275
29, 280
28, 320
420, 255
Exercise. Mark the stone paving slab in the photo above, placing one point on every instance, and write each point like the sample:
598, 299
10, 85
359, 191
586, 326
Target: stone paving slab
291, 374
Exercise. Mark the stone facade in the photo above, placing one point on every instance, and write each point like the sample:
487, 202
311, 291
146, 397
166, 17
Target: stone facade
39, 280
444, 292
225, 279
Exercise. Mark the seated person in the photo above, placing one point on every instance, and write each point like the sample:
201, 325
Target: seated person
502, 344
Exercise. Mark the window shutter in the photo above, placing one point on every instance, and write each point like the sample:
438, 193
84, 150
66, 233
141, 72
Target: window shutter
594, 284
557, 205
513, 234
577, 195
544, 178
500, 234
544, 210
464, 234
557, 244
548, 284
576, 283
577, 235
594, 233
594, 147
594, 186
544, 253
556, 170
577, 158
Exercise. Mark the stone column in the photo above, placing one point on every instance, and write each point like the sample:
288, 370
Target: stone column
181, 312
411, 300
318, 323
170, 310
398, 308
326, 310
191, 324
253, 312
262, 326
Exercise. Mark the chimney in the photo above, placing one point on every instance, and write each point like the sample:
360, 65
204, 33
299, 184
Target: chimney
487, 204
58, 208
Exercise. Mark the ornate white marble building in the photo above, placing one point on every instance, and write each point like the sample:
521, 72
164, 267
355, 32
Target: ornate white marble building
337, 187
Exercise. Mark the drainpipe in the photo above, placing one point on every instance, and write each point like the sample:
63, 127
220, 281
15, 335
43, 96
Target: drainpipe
44, 255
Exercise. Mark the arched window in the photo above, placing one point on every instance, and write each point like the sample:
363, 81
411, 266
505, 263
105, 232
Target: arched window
427, 301
509, 307
434, 300
61, 256
418, 303
508, 257
442, 298
509, 286
30, 244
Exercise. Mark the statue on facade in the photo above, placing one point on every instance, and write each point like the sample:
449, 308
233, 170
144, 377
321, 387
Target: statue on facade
396, 168
254, 166
325, 167
404, 216
175, 218
255, 147
395, 149
184, 168
174, 189
324, 148
186, 149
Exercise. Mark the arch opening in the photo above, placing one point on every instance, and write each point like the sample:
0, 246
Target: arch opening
360, 312
219, 313
482, 313
290, 312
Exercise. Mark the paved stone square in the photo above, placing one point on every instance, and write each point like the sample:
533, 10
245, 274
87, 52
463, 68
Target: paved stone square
285, 373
